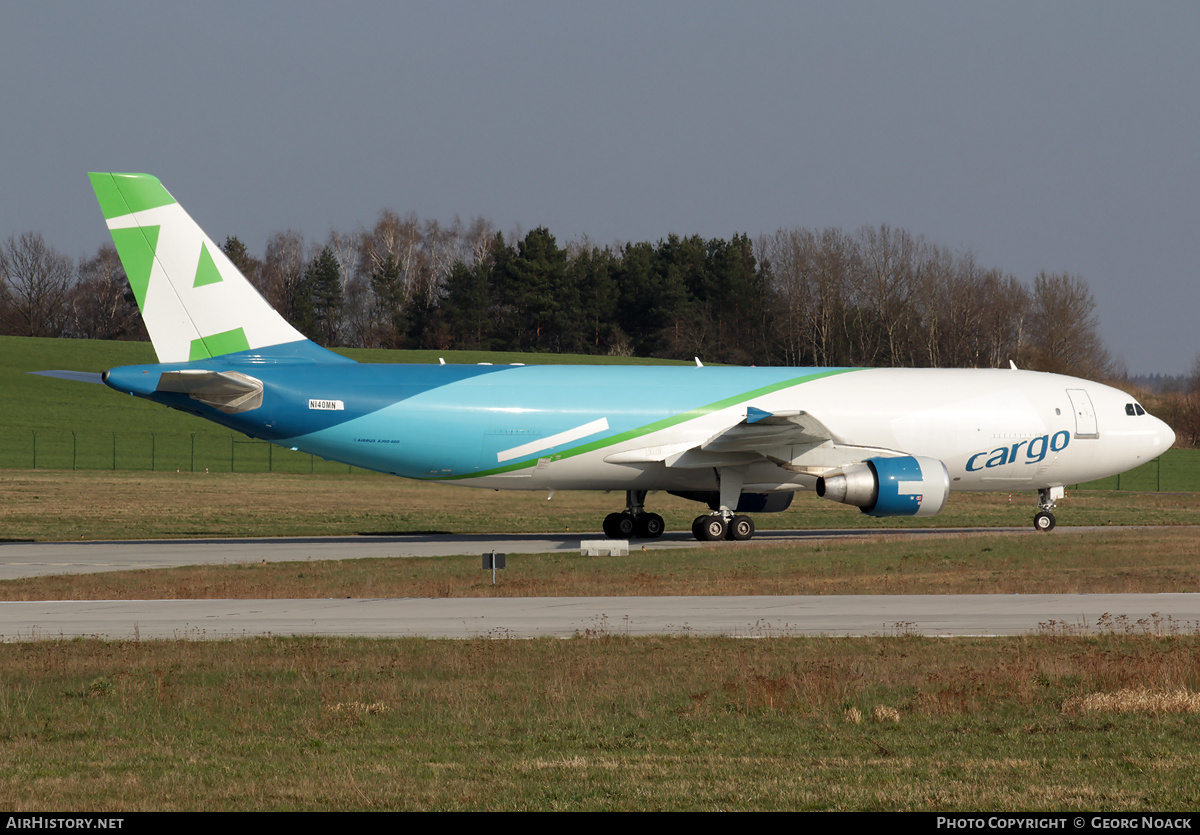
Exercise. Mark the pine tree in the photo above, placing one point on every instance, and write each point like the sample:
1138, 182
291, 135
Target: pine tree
319, 302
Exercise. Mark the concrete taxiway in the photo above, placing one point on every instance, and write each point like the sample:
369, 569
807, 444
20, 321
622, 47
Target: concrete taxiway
33, 559
564, 617
741, 616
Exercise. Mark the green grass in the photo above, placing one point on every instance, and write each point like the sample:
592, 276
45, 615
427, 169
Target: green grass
1177, 470
49, 505
603, 723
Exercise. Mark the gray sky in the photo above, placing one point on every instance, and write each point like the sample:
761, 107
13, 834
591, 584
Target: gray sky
1039, 136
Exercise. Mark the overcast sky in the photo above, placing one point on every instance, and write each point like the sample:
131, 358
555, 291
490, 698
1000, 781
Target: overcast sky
1039, 136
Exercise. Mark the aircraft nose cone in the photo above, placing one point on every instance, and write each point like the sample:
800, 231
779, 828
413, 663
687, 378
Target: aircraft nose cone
1166, 437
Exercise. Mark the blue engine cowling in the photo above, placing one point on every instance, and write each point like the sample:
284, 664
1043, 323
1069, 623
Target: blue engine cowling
906, 486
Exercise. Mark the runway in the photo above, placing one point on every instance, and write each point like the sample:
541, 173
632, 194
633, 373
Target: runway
734, 616
584, 617
33, 559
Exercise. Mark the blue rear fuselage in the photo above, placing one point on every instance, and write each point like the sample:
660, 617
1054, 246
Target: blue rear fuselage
461, 421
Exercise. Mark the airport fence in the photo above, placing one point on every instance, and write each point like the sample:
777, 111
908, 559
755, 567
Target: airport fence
161, 451
1176, 471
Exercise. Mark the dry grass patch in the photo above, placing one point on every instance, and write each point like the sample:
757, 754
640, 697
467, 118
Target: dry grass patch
1140, 700
882, 713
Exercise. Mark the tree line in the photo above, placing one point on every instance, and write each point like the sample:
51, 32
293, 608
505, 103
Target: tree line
875, 297
878, 296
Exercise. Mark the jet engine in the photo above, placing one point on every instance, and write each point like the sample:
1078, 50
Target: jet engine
906, 486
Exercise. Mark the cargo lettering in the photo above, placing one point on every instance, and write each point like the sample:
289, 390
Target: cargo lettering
1035, 450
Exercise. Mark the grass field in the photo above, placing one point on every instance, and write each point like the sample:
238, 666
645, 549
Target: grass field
1051, 722
603, 723
48, 505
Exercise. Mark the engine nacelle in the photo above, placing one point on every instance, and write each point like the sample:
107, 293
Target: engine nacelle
906, 486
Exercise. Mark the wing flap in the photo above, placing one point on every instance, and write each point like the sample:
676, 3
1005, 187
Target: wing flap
760, 434
761, 430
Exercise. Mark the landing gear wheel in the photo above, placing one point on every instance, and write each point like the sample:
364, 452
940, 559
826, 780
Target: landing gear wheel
1044, 521
618, 525
709, 528
649, 526
741, 528
610, 525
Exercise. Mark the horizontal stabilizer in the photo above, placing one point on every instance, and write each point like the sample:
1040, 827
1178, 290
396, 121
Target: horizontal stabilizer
227, 391
77, 376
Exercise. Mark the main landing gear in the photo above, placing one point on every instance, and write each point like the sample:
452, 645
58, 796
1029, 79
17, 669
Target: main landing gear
1044, 520
635, 522
715, 526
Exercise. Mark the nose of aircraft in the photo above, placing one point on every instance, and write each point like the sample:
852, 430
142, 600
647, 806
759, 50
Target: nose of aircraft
1136, 438
1164, 436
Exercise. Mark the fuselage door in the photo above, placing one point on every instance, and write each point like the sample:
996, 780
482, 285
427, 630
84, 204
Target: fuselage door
1085, 415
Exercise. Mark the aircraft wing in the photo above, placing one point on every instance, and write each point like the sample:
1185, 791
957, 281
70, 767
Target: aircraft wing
761, 430
760, 435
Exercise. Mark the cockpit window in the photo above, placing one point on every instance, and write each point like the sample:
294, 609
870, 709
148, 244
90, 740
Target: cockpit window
1139, 408
1134, 409
1129, 409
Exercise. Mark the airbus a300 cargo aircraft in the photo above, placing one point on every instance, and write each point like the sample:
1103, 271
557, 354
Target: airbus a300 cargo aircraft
891, 441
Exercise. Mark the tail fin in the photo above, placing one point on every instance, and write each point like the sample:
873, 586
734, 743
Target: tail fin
195, 302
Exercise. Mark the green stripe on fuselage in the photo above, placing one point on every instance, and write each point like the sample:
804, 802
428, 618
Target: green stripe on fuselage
655, 426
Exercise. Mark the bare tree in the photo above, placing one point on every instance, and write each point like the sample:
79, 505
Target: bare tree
941, 303
101, 303
1066, 332
1188, 422
889, 276
476, 242
282, 273
34, 284
347, 252
811, 275
788, 255
397, 238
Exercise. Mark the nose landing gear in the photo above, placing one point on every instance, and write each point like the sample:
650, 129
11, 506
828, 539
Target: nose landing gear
1044, 520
